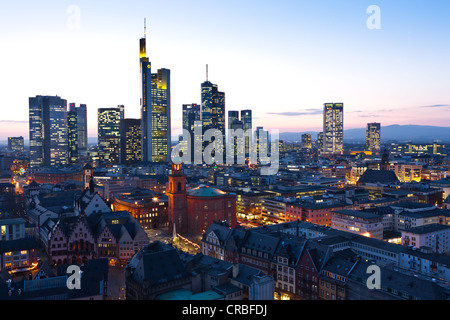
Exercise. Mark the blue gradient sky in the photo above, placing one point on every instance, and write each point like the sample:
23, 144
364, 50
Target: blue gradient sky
282, 59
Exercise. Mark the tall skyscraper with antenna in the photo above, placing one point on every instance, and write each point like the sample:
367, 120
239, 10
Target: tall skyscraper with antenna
155, 108
213, 109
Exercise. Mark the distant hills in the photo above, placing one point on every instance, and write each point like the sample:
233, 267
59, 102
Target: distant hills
399, 133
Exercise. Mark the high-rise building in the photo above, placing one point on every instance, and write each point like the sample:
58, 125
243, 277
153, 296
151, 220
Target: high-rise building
132, 141
246, 118
48, 131
72, 133
82, 128
213, 113
320, 141
261, 145
238, 142
232, 115
191, 119
110, 121
16, 144
155, 110
333, 128
373, 138
306, 141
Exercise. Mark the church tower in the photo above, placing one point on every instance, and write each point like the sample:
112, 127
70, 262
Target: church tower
177, 206
385, 161
88, 172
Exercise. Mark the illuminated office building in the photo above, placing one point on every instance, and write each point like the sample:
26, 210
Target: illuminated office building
72, 133
191, 119
213, 112
48, 131
246, 118
232, 116
132, 141
333, 128
237, 142
320, 141
306, 141
16, 144
82, 128
109, 134
155, 110
262, 145
373, 138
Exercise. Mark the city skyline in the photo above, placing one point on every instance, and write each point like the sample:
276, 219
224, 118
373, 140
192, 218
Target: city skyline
394, 75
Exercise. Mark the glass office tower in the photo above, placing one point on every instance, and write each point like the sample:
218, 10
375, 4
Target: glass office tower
132, 142
82, 128
155, 110
213, 113
373, 138
246, 118
333, 128
72, 133
191, 118
48, 131
109, 134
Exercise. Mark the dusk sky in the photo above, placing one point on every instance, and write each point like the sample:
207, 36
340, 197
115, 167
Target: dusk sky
282, 59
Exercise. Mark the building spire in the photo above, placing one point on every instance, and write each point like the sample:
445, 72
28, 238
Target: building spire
206, 72
145, 28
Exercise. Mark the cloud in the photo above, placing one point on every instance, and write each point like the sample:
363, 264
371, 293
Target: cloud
436, 106
13, 121
369, 115
298, 113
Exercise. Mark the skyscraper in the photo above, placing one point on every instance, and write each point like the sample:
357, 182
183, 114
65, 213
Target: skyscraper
191, 118
306, 141
82, 128
333, 128
213, 114
232, 115
48, 131
15, 144
261, 145
246, 118
155, 110
72, 133
132, 142
109, 134
238, 142
320, 142
373, 138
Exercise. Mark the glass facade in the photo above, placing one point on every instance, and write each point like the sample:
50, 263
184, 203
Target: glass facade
246, 118
109, 134
213, 112
82, 128
333, 128
155, 110
191, 118
48, 131
132, 147
72, 133
373, 137
16, 144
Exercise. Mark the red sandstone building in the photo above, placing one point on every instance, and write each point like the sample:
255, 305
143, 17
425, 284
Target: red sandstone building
194, 210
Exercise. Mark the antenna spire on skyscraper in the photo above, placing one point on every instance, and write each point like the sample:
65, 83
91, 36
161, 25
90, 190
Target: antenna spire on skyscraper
145, 27
206, 72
